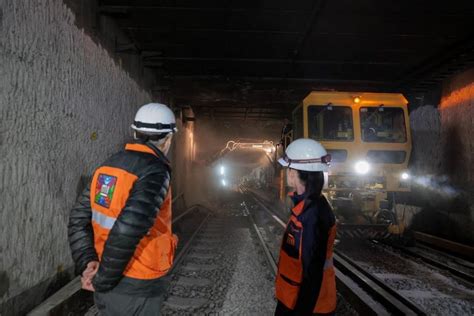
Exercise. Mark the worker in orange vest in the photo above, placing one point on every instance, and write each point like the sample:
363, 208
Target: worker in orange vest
305, 282
120, 228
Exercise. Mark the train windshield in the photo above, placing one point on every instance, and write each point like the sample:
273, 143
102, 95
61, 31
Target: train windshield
332, 123
383, 125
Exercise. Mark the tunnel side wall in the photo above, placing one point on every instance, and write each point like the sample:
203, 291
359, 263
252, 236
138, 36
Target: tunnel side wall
443, 161
457, 121
65, 105
457, 139
181, 155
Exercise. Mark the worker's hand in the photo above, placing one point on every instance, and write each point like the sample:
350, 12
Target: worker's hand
175, 241
91, 269
88, 275
86, 284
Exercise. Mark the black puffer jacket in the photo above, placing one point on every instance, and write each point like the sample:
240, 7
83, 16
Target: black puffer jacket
133, 223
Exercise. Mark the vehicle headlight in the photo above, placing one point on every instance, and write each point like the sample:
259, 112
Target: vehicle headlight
362, 167
222, 170
405, 176
224, 183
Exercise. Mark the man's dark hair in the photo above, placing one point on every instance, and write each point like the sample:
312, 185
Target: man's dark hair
313, 182
147, 137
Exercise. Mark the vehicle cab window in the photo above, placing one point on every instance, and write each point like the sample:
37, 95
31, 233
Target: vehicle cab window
330, 123
383, 124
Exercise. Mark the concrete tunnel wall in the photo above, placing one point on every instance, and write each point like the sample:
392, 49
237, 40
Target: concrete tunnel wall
457, 141
65, 105
457, 122
443, 161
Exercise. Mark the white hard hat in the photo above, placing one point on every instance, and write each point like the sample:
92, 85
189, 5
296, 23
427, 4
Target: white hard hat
307, 155
154, 118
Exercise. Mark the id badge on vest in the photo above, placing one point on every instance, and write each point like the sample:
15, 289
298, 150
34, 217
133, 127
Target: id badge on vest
292, 240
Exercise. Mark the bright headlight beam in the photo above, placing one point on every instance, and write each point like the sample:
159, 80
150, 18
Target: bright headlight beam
224, 183
222, 170
405, 176
362, 167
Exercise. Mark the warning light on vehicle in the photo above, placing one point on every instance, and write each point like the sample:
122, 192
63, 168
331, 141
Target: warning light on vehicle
357, 100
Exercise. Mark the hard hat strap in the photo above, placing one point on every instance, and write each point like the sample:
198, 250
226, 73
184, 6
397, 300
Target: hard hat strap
324, 159
171, 126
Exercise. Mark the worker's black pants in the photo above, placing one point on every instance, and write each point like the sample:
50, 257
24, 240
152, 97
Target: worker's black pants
117, 304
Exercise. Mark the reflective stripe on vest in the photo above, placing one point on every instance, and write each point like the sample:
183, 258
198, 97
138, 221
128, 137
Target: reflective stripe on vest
328, 263
103, 220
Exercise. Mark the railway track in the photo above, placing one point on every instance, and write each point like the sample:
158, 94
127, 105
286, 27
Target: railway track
183, 225
221, 269
435, 290
459, 268
368, 294
220, 266
225, 255
449, 247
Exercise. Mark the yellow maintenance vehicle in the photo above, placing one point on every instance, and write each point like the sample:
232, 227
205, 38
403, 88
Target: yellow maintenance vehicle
368, 138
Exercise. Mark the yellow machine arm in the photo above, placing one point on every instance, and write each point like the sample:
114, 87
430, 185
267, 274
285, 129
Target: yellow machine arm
266, 146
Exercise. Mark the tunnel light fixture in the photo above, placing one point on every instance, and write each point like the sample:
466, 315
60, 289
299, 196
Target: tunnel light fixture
257, 146
362, 167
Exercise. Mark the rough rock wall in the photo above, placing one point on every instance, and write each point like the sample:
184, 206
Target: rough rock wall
64, 106
426, 135
457, 121
443, 161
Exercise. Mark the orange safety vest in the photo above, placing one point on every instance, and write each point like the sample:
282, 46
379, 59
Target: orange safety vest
110, 190
290, 267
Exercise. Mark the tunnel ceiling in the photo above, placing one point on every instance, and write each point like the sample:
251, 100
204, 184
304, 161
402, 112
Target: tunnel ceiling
257, 59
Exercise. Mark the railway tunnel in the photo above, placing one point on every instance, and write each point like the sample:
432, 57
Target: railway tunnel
386, 87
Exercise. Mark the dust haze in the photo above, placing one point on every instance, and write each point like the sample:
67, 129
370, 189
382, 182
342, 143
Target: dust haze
205, 181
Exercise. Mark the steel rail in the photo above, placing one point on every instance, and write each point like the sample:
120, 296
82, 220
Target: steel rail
177, 197
275, 217
188, 210
266, 250
185, 249
465, 276
385, 294
180, 216
394, 302
460, 250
